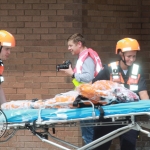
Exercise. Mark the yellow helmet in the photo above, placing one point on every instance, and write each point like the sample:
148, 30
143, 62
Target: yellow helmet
127, 44
7, 39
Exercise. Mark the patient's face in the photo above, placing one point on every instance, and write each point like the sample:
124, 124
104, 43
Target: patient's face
130, 57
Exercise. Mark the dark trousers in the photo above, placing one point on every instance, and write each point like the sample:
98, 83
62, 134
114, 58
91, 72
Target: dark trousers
127, 140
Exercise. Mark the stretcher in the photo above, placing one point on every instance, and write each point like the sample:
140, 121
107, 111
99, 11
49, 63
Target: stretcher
39, 121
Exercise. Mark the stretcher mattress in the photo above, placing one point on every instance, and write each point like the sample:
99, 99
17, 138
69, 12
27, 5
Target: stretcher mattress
30, 115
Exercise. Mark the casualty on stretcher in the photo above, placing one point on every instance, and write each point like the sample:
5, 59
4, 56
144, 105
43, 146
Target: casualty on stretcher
101, 92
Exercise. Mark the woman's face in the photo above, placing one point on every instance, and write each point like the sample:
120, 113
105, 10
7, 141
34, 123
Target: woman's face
129, 57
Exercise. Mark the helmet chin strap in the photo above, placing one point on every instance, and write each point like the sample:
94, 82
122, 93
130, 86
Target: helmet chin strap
124, 61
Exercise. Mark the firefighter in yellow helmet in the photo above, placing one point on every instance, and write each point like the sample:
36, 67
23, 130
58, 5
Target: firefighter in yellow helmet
126, 72
7, 41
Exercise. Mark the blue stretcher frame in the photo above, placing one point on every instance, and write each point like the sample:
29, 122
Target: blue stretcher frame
51, 118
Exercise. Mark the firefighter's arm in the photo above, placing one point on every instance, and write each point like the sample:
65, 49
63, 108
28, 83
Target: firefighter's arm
143, 95
2, 96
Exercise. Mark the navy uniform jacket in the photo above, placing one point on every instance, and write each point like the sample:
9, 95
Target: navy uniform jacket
105, 75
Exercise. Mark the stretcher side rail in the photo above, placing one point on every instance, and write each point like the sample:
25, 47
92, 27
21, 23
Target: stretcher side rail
45, 125
43, 135
110, 136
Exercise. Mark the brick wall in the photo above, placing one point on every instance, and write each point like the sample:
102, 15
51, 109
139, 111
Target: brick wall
41, 28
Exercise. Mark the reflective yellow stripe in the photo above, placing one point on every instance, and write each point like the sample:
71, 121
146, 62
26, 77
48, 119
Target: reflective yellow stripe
76, 83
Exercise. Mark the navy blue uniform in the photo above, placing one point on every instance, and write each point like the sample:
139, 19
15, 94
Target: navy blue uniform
128, 139
105, 75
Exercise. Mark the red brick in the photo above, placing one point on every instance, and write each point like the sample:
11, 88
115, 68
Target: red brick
7, 6
48, 36
64, 24
40, 30
41, 79
32, 37
55, 91
19, 37
31, 74
32, 96
8, 18
47, 73
49, 85
31, 49
10, 91
24, 79
32, 24
19, 61
48, 49
24, 55
64, 12
16, 144
48, 61
32, 12
15, 12
48, 12
24, 18
47, 1
18, 85
24, 6
58, 55
32, 85
62, 49
56, 30
24, 30
23, 138
40, 18
3, 12
64, 1
32, 1
48, 24
16, 97
65, 86
15, 1
40, 7
41, 91
32, 61
56, 6
56, 79
40, 55
23, 67
3, 24
74, 6
145, 2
